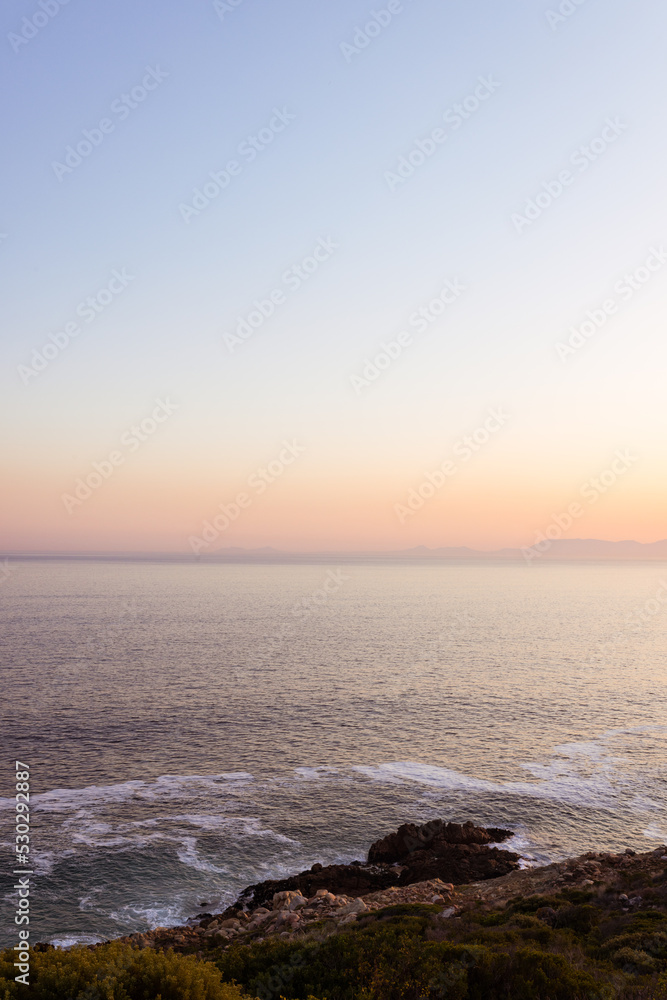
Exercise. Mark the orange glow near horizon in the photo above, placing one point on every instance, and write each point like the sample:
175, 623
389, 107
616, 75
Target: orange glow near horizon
149, 511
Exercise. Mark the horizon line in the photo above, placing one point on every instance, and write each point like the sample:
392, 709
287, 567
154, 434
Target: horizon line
626, 549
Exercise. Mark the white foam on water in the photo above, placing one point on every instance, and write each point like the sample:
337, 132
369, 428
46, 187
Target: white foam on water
588, 773
43, 862
247, 826
655, 832
521, 843
314, 773
95, 833
429, 774
188, 855
583, 774
592, 749
122, 842
87, 903
180, 781
634, 730
92, 817
72, 940
69, 799
645, 805
94, 828
164, 787
152, 915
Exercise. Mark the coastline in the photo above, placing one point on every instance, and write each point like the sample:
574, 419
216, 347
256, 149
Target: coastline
591, 873
292, 907
593, 927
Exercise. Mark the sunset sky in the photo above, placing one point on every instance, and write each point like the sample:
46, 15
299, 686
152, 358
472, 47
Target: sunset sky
368, 175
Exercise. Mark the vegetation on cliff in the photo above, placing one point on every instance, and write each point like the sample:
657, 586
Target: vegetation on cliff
590, 928
571, 945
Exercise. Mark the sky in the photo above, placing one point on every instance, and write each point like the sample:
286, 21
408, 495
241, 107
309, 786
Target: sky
332, 276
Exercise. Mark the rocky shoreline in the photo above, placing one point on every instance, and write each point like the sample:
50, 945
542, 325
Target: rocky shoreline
436, 850
453, 867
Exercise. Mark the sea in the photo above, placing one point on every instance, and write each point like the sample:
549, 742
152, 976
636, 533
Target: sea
193, 728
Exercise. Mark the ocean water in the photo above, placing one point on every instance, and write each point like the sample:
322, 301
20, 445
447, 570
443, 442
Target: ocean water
194, 728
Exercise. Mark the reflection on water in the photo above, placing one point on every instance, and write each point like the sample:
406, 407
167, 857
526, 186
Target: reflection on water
189, 732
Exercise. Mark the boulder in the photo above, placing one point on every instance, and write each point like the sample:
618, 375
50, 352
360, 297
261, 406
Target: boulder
459, 864
452, 852
350, 880
436, 836
288, 900
356, 906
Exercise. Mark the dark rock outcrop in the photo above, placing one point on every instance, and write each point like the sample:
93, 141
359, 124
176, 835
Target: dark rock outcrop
354, 880
459, 864
435, 836
448, 851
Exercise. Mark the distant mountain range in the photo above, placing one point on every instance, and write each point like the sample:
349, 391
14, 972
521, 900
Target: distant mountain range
565, 550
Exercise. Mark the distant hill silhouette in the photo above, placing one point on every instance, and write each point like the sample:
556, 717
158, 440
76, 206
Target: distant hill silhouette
565, 549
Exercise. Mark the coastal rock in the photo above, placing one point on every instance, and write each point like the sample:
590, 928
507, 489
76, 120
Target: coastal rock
451, 852
458, 864
356, 906
445, 901
350, 880
288, 900
436, 836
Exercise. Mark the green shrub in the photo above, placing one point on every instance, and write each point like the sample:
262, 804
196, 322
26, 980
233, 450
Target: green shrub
569, 946
114, 972
581, 919
394, 955
387, 958
635, 960
529, 974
